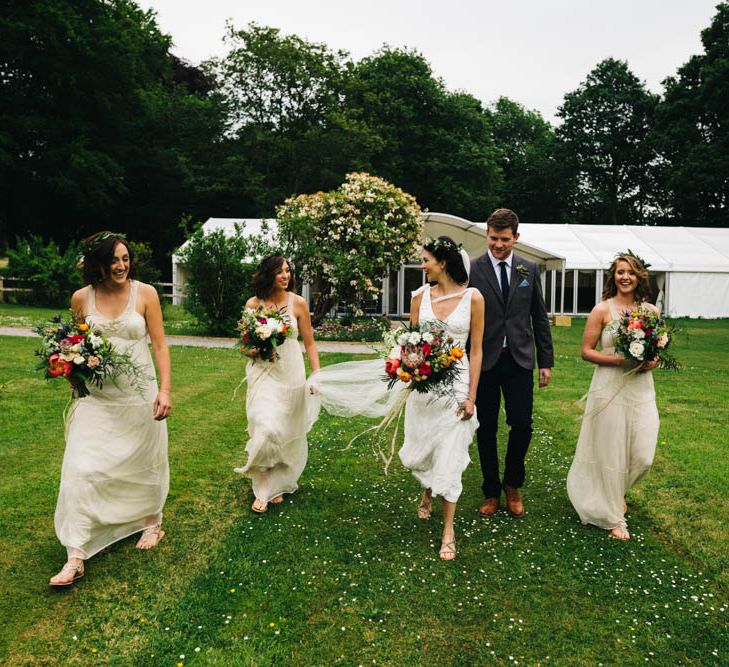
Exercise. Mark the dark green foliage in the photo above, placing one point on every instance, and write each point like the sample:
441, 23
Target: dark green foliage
693, 132
144, 268
435, 144
538, 177
52, 275
607, 131
219, 283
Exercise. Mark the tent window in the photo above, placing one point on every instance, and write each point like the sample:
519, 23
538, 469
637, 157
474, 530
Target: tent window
547, 287
569, 297
414, 277
586, 287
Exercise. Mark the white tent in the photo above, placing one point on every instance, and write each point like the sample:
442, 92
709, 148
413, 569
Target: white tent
689, 265
249, 227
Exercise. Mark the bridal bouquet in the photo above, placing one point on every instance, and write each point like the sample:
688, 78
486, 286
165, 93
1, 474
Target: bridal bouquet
643, 336
424, 356
261, 331
72, 350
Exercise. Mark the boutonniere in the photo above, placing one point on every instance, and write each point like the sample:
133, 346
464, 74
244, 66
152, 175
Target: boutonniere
522, 270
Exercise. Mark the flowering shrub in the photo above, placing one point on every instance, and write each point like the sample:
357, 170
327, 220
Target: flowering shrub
360, 329
342, 241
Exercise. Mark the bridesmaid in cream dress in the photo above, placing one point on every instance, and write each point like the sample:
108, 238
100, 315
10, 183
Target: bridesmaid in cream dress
276, 405
115, 474
619, 430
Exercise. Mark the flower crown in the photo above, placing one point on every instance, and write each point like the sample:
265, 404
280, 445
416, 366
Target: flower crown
97, 239
438, 244
635, 256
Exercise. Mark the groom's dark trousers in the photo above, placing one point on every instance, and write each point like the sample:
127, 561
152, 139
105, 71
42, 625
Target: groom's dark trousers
517, 386
524, 323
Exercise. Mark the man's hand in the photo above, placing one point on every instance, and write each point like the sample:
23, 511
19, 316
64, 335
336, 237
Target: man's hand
545, 375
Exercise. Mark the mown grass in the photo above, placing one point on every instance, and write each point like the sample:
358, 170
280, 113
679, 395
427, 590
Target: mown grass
343, 572
177, 320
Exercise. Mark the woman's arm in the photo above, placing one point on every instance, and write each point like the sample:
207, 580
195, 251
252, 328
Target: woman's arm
415, 308
478, 316
591, 337
301, 312
79, 301
155, 327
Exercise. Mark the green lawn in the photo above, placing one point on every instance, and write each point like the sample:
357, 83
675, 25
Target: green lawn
344, 573
177, 320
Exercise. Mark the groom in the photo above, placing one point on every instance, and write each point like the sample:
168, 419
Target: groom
516, 322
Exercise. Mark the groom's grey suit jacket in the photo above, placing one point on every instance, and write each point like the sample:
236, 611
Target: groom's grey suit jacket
523, 319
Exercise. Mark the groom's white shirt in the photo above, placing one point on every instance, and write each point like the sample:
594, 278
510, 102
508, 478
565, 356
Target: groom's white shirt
497, 269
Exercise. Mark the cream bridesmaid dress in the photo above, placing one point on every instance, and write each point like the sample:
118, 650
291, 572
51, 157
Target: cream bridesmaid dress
115, 474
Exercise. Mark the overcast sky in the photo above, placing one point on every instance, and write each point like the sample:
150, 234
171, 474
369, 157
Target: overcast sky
533, 51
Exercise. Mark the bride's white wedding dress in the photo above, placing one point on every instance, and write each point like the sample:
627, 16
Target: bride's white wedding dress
436, 439
115, 474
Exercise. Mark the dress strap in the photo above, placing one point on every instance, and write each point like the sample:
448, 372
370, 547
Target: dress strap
449, 296
290, 304
91, 302
132, 303
614, 315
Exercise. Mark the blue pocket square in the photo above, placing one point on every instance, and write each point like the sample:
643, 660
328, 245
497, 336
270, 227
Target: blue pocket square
523, 283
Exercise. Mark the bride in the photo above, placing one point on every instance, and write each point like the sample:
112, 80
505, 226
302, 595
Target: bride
438, 430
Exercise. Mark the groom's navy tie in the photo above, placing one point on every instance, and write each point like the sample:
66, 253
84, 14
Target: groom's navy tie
504, 283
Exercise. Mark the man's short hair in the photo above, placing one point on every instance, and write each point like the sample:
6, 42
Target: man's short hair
503, 218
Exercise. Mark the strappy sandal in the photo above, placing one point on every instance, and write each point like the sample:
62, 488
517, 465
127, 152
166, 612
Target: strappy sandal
259, 506
447, 550
620, 532
145, 541
425, 508
75, 569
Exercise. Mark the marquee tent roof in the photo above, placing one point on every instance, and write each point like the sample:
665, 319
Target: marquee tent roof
667, 249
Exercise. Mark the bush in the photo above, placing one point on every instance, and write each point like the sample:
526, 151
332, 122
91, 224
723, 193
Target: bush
221, 268
359, 329
144, 269
52, 275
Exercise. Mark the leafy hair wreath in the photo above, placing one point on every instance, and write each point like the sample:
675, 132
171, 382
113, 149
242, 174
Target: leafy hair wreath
97, 239
634, 255
439, 243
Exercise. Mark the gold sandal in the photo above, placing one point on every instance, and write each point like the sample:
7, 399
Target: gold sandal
425, 508
76, 569
259, 506
447, 550
156, 531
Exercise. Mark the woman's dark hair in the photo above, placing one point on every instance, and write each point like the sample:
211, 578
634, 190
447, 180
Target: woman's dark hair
99, 251
444, 249
265, 275
642, 290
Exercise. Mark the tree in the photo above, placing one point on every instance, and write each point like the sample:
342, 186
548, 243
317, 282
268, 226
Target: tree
693, 132
538, 181
435, 143
286, 131
95, 131
220, 275
607, 130
343, 241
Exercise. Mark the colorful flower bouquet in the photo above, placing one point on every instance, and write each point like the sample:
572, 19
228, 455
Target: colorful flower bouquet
643, 336
423, 356
71, 349
261, 331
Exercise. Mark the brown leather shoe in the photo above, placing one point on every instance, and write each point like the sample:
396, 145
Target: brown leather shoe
514, 505
490, 507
